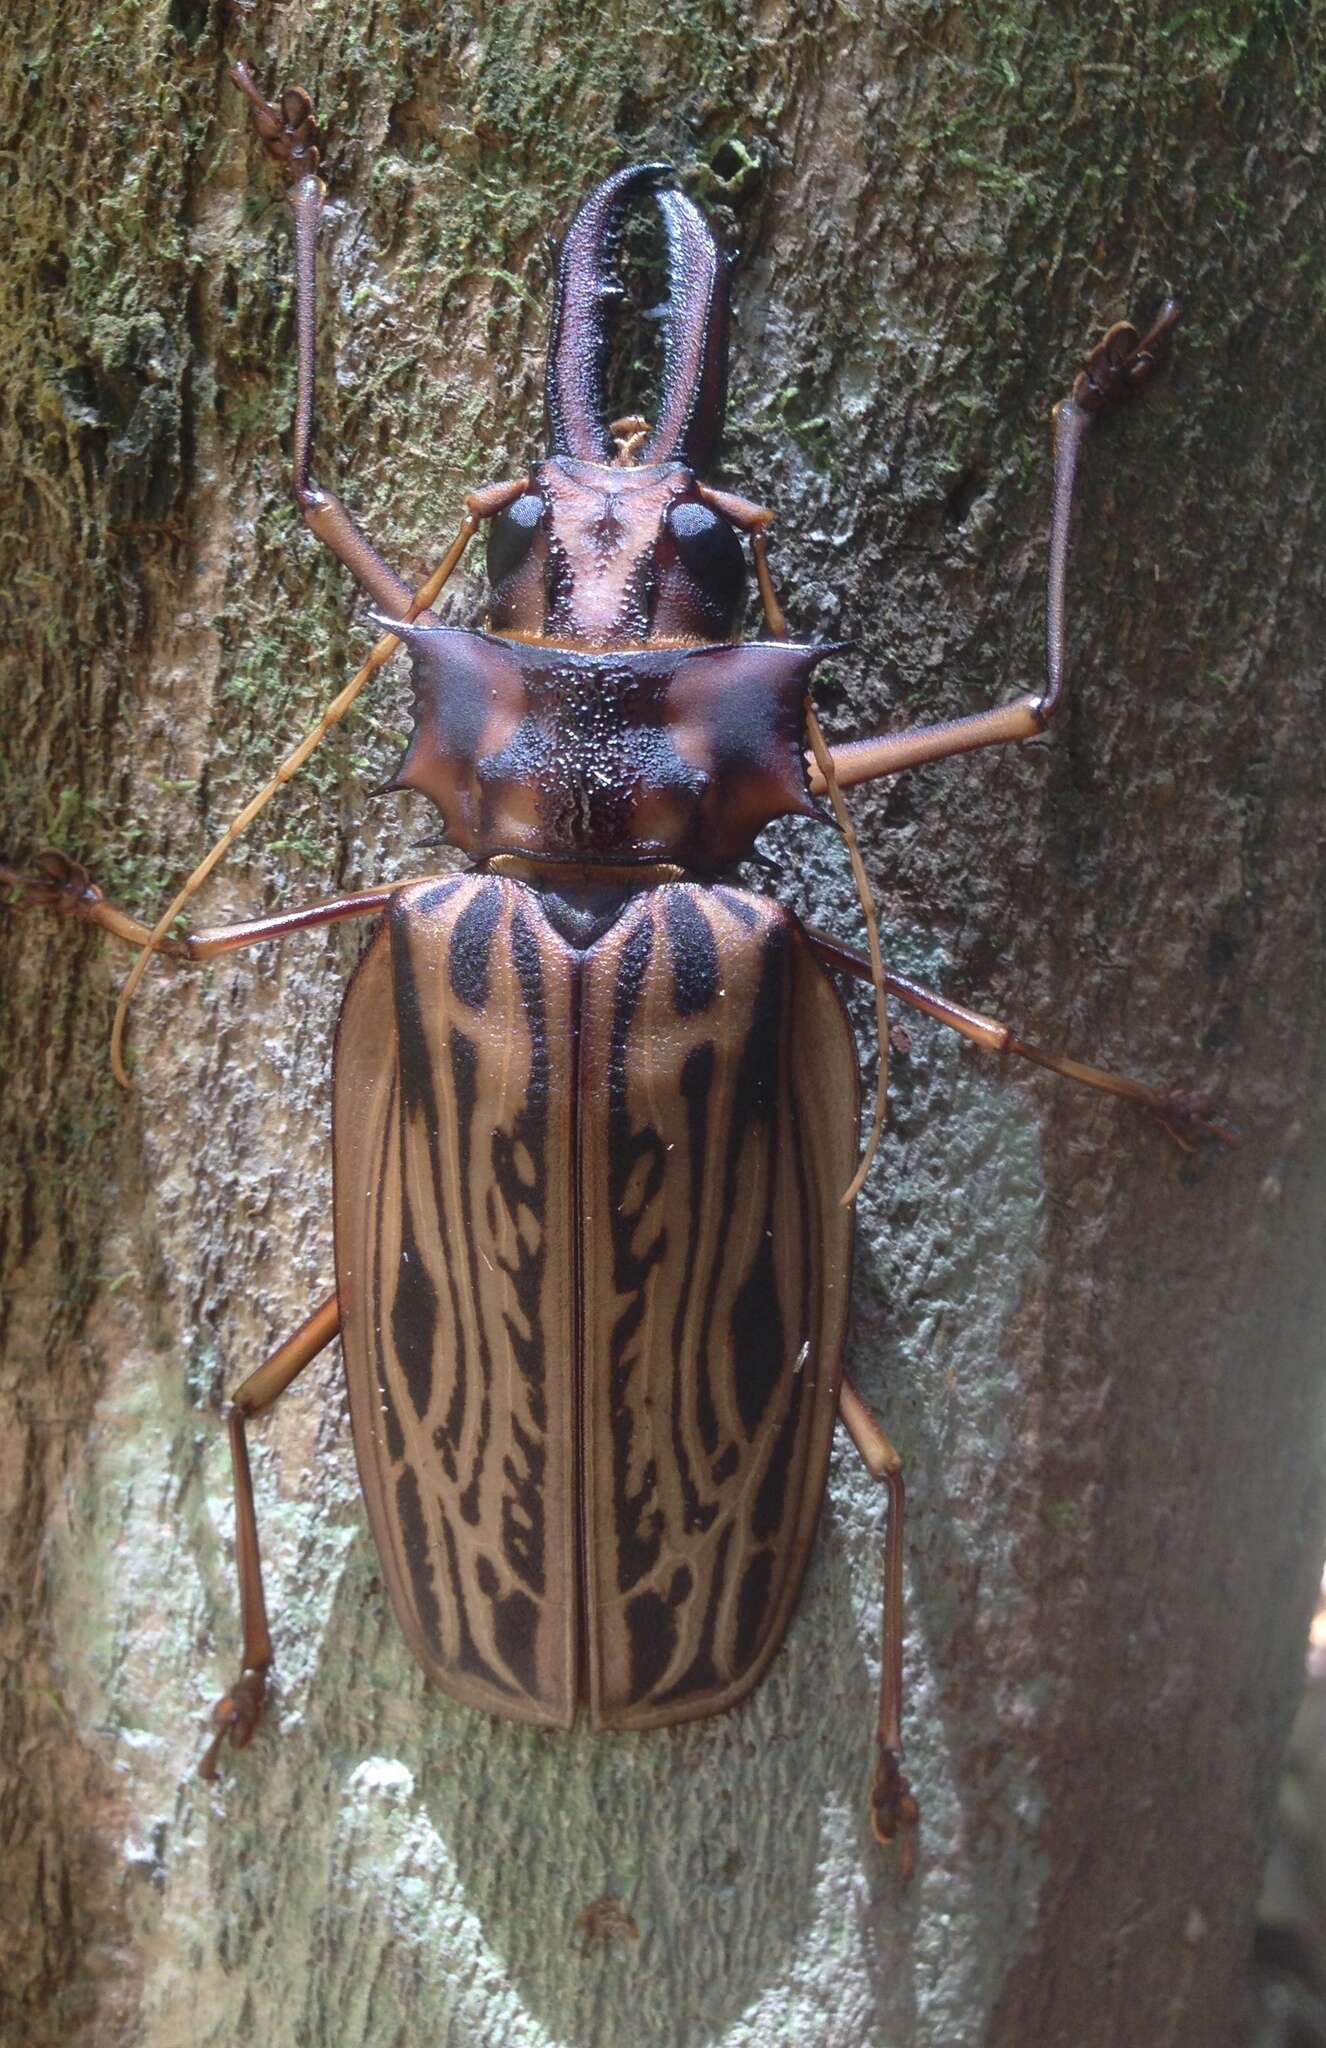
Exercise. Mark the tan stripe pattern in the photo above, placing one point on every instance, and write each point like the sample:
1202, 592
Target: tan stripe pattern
594, 1283
715, 1280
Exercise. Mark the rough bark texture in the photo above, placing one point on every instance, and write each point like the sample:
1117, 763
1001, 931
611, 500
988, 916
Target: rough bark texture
1099, 1357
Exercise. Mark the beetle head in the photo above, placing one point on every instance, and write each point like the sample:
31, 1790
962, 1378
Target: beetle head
612, 545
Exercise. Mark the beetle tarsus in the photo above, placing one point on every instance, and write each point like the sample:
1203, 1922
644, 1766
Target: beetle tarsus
1122, 360
894, 1813
235, 1717
60, 884
288, 129
1191, 1119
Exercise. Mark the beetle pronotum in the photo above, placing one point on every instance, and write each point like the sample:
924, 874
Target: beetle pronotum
595, 1103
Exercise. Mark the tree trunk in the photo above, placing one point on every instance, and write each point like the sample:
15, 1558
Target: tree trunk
1097, 1354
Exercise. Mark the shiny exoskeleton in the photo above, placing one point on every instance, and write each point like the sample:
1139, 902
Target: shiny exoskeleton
595, 1101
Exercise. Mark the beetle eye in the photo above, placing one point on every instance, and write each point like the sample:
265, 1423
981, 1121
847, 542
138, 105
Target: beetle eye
510, 534
710, 554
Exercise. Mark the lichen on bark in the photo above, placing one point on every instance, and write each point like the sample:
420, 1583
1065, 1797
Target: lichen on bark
1100, 1360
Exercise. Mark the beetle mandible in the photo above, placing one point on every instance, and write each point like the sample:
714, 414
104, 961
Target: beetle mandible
594, 1102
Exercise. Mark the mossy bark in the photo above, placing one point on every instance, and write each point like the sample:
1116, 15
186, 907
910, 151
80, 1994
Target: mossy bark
1099, 1357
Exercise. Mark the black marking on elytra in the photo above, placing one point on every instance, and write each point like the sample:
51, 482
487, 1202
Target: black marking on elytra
418, 1099
469, 956
414, 1313
469, 1656
756, 1326
701, 1674
418, 1556
748, 1124
694, 953
515, 1625
697, 1079
425, 899
463, 1056
516, 1633
725, 1464
520, 1174
770, 1507
386, 1397
520, 1170
651, 1635
636, 1157
796, 1158
523, 1532
740, 906
680, 1588
418, 1090
651, 1632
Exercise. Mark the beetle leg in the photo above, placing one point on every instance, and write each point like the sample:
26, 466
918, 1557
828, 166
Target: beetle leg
289, 133
1189, 1116
1119, 365
237, 1713
867, 760
64, 886
893, 1811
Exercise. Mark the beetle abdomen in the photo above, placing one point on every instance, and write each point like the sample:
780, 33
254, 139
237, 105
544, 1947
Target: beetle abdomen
593, 1276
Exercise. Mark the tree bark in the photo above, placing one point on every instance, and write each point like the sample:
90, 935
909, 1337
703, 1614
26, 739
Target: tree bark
1099, 1357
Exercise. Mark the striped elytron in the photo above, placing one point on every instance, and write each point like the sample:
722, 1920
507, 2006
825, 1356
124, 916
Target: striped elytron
601, 1226
596, 1103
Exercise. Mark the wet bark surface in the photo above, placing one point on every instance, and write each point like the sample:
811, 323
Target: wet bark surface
1099, 1356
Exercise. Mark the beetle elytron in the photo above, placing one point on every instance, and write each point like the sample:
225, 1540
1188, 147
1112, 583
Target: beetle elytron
595, 1103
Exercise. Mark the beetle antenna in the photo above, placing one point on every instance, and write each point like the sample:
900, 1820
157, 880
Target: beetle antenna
289, 768
824, 762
